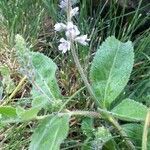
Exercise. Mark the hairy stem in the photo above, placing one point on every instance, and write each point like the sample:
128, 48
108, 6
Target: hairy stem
80, 69
145, 131
69, 11
92, 114
122, 133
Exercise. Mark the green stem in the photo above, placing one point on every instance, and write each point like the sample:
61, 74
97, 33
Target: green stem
80, 69
92, 114
70, 98
122, 133
145, 131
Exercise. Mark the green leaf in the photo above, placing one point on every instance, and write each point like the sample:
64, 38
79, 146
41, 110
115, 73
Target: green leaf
28, 114
135, 132
8, 114
103, 138
45, 85
130, 110
40, 70
111, 69
4, 70
50, 133
88, 127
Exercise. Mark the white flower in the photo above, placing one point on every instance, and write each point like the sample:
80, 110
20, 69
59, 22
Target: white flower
72, 31
64, 45
63, 4
60, 26
82, 39
74, 11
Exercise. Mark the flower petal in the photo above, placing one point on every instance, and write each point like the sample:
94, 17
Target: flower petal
60, 27
72, 31
63, 4
64, 45
74, 11
82, 39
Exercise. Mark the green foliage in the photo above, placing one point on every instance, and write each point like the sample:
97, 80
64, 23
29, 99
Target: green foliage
41, 69
135, 132
45, 92
8, 114
111, 69
45, 80
26, 115
96, 138
88, 130
130, 110
50, 133
88, 127
6, 83
102, 137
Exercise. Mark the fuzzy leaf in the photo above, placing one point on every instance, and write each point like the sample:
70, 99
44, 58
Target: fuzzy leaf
40, 70
130, 110
88, 127
111, 69
50, 133
103, 138
45, 81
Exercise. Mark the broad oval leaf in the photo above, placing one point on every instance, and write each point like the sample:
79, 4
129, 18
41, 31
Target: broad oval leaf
110, 70
50, 133
130, 110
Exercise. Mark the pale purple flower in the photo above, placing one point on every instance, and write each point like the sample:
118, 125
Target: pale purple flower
64, 45
82, 39
74, 11
60, 26
72, 31
63, 4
